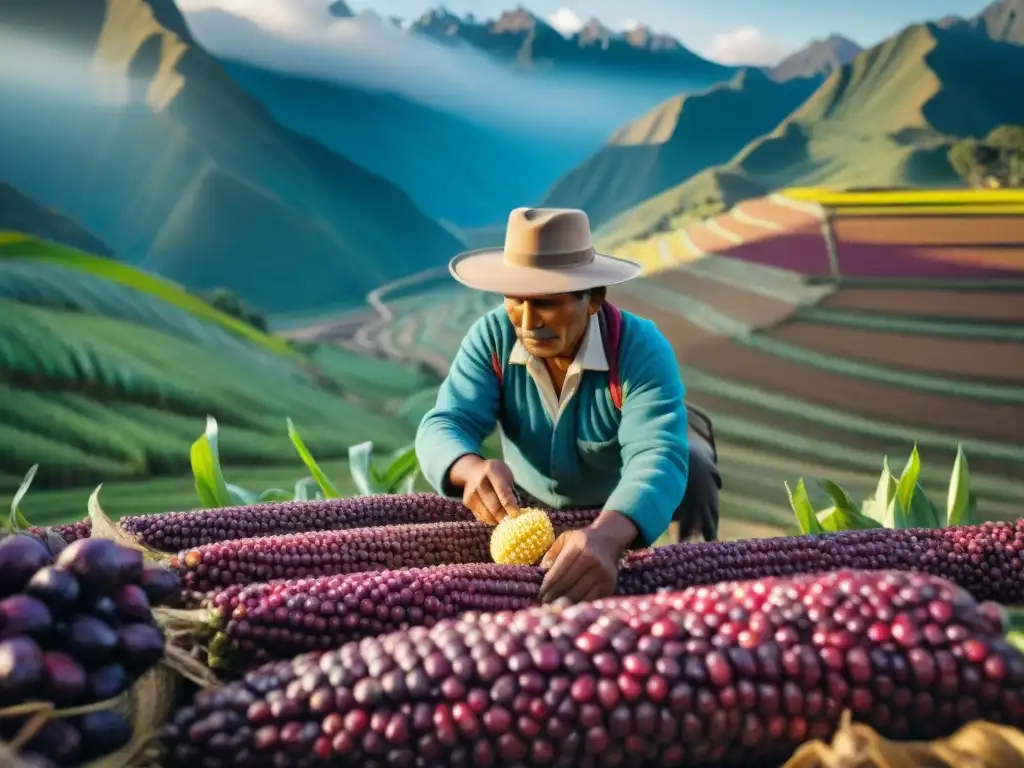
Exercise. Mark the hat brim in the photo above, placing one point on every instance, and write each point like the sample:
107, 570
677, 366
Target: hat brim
486, 270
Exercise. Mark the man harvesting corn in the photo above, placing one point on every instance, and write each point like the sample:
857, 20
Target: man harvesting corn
589, 402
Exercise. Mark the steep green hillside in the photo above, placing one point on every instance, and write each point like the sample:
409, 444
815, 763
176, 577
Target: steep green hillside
886, 119
454, 170
676, 140
19, 213
177, 169
103, 380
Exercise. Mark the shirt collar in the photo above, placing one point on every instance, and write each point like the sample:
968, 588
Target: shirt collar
591, 356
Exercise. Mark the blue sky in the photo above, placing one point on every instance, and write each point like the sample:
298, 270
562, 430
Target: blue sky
784, 24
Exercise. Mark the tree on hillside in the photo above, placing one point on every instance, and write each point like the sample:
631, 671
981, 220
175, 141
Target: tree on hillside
1008, 141
996, 160
230, 304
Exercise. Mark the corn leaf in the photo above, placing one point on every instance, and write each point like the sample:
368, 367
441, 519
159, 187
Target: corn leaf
240, 496
326, 486
274, 494
806, 517
877, 507
307, 490
897, 515
361, 466
843, 515
401, 472
17, 520
961, 504
923, 512
1016, 639
907, 513
209, 478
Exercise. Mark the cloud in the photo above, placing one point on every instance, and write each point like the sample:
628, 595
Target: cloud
566, 21
300, 37
745, 45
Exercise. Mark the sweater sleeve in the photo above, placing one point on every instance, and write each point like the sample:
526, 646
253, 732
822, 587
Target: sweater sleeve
652, 434
466, 410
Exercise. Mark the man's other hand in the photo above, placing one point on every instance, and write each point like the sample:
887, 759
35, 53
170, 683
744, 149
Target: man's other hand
582, 565
487, 488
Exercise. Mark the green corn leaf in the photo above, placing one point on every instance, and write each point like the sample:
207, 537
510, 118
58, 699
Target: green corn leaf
877, 507
328, 489
830, 519
907, 481
923, 512
274, 494
1016, 639
209, 478
909, 511
240, 496
843, 514
401, 472
17, 521
961, 504
806, 517
306, 490
361, 466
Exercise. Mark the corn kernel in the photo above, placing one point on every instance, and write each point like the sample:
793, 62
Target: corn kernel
523, 539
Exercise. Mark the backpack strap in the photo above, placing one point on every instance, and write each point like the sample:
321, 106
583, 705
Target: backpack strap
496, 366
610, 318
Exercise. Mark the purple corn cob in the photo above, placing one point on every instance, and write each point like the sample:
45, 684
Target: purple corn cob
733, 674
276, 620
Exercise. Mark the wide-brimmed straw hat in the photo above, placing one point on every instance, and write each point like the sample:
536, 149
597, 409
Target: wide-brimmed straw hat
547, 251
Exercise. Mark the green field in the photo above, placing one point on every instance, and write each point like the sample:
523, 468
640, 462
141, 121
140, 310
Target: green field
107, 376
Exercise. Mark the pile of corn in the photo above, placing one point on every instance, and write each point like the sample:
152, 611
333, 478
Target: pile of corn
398, 631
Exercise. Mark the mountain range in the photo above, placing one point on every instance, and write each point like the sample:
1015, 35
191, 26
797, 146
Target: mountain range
886, 119
301, 193
189, 176
677, 139
521, 37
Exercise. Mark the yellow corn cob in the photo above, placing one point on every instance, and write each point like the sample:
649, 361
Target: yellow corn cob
523, 539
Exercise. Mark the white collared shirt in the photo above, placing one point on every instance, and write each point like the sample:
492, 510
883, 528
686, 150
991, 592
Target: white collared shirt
589, 357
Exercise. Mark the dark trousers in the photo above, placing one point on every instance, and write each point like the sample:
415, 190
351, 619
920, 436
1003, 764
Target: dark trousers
698, 510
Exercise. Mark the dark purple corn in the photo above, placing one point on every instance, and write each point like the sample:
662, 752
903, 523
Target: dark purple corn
277, 620
175, 531
326, 553
74, 531
739, 673
266, 621
985, 559
80, 630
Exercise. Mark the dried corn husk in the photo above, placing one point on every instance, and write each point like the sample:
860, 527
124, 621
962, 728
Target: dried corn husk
977, 745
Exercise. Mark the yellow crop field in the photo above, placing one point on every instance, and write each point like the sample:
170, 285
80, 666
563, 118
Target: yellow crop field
982, 209
985, 200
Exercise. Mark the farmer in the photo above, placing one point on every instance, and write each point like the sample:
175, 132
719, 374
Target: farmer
589, 402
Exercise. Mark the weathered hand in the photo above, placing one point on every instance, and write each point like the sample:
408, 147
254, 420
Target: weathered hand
582, 565
489, 492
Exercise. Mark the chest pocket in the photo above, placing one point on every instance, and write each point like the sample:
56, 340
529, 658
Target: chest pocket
604, 455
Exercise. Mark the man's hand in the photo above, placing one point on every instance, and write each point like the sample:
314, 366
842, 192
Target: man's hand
487, 488
583, 565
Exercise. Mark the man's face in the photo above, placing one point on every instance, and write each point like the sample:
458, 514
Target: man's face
551, 326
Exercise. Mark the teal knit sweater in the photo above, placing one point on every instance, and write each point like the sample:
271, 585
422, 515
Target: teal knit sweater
588, 453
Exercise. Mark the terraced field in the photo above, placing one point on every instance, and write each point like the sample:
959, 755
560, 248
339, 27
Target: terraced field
824, 331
